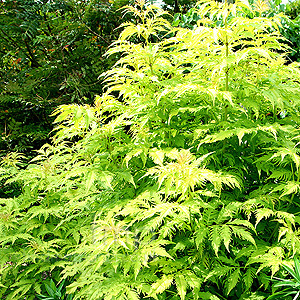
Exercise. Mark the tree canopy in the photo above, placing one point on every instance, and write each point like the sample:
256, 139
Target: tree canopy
51, 54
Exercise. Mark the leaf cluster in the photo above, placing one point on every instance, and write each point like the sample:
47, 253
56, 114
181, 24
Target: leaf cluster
181, 181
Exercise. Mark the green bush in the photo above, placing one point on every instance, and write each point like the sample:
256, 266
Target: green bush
290, 31
293, 9
180, 182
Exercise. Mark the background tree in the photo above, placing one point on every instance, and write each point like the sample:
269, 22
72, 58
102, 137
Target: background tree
291, 29
178, 6
51, 54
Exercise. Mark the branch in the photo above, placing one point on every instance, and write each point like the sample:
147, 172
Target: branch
31, 56
96, 34
12, 42
176, 7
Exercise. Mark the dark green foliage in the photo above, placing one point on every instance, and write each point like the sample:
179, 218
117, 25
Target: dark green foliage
290, 30
55, 292
293, 9
290, 26
178, 6
187, 20
291, 286
51, 54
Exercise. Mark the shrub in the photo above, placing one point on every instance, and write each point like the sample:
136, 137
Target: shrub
181, 182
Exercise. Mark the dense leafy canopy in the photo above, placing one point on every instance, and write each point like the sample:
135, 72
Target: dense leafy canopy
51, 54
291, 28
180, 182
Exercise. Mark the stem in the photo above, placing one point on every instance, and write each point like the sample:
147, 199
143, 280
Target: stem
151, 68
226, 80
176, 7
32, 58
227, 69
275, 230
298, 180
96, 34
